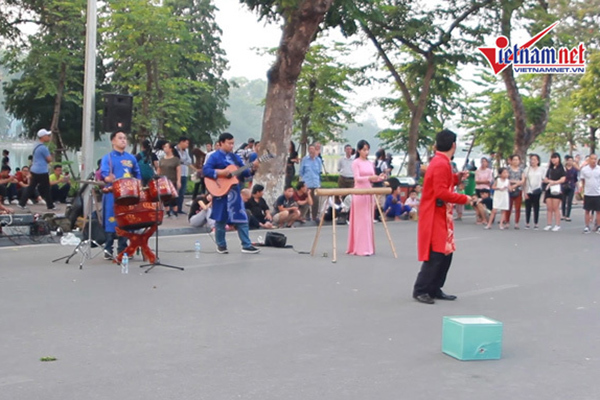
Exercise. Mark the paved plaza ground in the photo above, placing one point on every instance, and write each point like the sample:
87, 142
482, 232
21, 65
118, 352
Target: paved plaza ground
284, 325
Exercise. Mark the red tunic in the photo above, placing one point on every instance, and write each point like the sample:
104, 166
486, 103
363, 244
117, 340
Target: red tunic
436, 225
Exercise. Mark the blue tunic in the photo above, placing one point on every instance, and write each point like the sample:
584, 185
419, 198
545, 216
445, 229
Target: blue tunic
229, 208
121, 165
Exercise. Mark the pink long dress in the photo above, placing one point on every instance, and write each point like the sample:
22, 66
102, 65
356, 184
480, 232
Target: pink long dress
360, 235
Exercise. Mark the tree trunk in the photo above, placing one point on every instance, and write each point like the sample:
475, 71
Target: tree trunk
417, 116
593, 130
56, 113
524, 135
299, 30
143, 131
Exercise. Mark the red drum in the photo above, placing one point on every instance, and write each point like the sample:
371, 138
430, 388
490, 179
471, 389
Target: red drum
163, 187
138, 216
126, 191
145, 195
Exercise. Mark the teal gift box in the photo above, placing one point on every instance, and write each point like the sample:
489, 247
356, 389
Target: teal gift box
472, 337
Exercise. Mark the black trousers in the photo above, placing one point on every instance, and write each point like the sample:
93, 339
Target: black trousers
433, 274
533, 202
197, 186
60, 194
42, 182
567, 203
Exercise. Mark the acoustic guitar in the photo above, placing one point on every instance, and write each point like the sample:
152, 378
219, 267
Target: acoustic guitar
220, 186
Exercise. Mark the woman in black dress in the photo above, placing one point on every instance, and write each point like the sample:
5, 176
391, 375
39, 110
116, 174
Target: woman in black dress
555, 177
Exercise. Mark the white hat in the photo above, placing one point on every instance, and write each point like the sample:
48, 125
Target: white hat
43, 132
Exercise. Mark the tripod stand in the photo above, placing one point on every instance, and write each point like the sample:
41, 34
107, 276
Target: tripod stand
84, 248
157, 262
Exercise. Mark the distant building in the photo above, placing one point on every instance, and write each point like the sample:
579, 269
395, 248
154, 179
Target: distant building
333, 149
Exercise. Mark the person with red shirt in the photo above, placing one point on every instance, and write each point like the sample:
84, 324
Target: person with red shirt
436, 225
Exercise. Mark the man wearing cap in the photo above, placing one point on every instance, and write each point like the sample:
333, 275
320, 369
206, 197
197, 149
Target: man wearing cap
39, 172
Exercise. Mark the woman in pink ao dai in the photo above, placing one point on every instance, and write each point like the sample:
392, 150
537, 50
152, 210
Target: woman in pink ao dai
361, 241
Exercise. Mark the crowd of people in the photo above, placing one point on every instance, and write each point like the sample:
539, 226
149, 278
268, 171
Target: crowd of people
556, 184
33, 183
498, 194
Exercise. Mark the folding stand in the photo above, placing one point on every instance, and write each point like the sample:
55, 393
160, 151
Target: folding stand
84, 248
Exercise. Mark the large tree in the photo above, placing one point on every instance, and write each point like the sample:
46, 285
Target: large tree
302, 19
436, 35
203, 60
526, 131
587, 99
145, 44
49, 90
444, 102
322, 110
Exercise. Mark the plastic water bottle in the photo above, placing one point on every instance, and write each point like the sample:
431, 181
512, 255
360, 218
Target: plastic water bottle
197, 248
125, 264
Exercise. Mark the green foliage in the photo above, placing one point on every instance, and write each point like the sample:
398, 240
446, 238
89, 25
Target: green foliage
587, 97
202, 60
168, 56
444, 101
490, 119
322, 111
57, 44
565, 128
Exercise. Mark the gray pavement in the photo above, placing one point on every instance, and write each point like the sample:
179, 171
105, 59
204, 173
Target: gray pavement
283, 325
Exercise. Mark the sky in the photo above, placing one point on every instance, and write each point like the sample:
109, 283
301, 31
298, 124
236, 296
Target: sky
243, 34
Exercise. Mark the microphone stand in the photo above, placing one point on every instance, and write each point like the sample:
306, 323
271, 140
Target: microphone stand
157, 262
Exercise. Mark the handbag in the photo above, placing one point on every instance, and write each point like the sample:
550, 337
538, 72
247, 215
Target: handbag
555, 189
275, 239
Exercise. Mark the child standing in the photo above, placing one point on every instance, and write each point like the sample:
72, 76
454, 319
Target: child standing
501, 201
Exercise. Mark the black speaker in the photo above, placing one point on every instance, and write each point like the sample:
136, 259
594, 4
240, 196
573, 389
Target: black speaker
118, 109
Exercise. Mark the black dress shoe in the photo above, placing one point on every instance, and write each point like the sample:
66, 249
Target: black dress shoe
424, 298
443, 296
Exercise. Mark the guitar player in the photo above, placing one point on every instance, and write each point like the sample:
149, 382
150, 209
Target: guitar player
229, 208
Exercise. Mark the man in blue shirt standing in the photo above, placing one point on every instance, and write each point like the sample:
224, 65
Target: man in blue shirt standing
310, 173
229, 209
116, 164
39, 172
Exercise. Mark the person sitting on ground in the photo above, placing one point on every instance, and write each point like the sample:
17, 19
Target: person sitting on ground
286, 209
413, 202
393, 207
483, 206
200, 212
342, 209
59, 185
252, 221
303, 197
258, 208
8, 186
24, 179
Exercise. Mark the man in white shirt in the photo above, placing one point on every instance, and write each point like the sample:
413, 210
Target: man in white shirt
590, 178
210, 150
346, 179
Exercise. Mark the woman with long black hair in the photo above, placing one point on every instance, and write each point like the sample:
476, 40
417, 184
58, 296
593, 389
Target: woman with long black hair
290, 168
534, 175
554, 179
